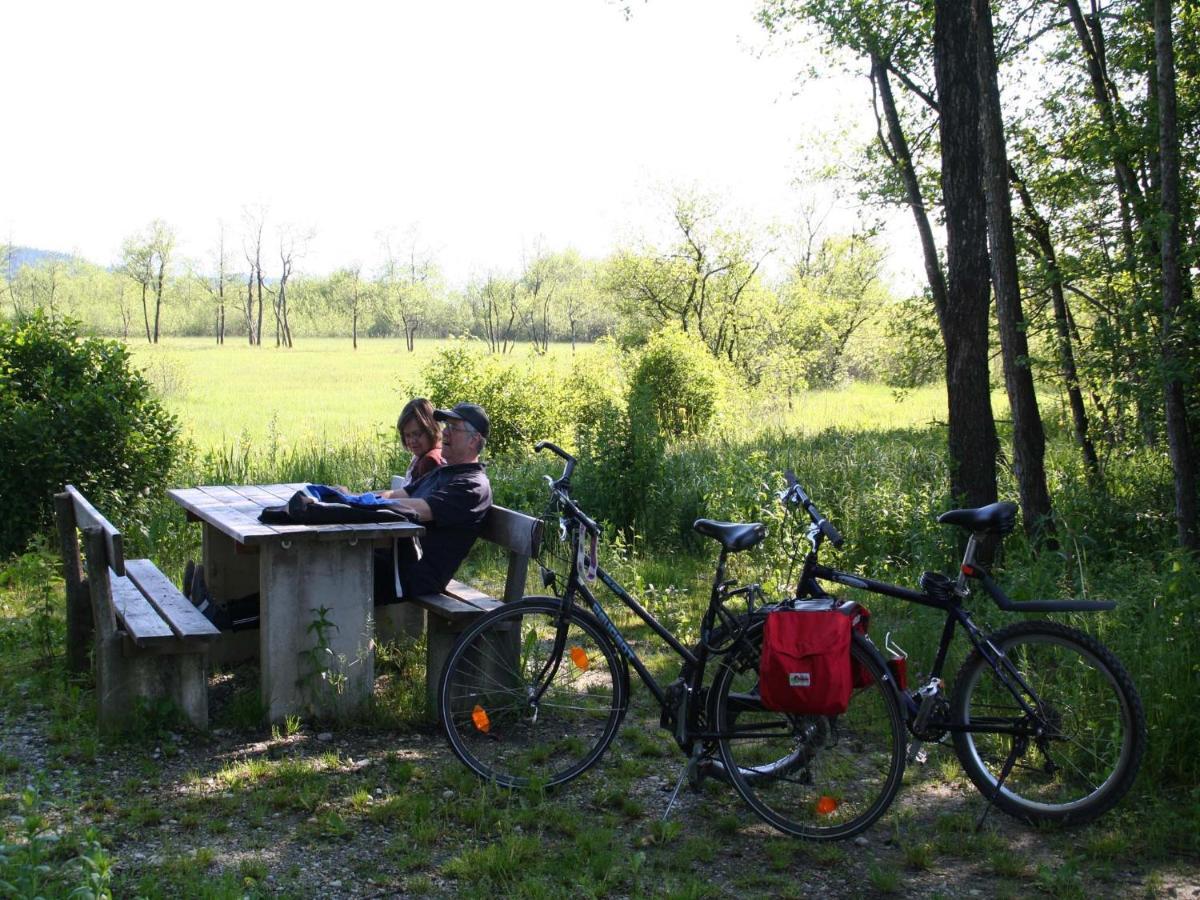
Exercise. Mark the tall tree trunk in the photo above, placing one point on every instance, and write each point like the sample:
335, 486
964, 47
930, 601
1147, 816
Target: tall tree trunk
1179, 439
973, 442
1029, 437
146, 311
158, 292
250, 307
1039, 229
896, 147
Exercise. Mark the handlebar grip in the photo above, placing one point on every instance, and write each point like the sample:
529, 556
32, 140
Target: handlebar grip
560, 452
835, 536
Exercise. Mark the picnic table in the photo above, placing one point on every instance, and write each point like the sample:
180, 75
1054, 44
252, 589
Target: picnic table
315, 585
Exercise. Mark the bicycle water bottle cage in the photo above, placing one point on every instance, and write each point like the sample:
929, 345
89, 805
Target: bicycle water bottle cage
733, 536
995, 518
937, 585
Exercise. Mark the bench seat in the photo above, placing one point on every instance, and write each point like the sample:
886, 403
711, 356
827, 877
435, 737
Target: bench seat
150, 641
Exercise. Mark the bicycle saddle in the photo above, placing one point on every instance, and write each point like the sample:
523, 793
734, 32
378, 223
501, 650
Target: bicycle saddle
733, 536
995, 518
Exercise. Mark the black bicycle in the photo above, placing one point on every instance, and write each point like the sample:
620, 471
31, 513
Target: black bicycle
1044, 719
533, 694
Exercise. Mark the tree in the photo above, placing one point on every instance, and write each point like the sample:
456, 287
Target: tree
407, 278
137, 262
1179, 438
161, 243
964, 321
703, 283
255, 220
1029, 440
218, 284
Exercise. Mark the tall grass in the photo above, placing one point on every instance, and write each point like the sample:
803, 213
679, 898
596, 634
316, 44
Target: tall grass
874, 464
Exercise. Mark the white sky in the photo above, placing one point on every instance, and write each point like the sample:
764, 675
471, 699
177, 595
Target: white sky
487, 125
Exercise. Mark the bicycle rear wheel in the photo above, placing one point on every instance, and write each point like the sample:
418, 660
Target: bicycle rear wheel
487, 704
1091, 719
815, 777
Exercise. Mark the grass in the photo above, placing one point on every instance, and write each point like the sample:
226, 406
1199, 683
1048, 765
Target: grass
250, 804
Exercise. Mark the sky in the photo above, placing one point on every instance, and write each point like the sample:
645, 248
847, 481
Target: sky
486, 128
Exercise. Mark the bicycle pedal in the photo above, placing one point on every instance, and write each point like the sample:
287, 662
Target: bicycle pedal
918, 753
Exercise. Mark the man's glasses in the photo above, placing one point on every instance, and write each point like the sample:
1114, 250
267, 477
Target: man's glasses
448, 427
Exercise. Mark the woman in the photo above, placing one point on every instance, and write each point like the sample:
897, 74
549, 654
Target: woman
422, 437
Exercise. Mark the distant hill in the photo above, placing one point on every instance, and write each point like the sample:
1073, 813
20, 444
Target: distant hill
31, 256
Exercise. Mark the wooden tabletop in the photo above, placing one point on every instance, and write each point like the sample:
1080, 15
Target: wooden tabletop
233, 509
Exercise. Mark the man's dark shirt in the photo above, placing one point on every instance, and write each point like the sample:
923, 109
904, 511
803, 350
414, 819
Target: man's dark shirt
459, 497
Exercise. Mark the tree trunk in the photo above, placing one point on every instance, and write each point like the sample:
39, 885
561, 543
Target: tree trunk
1179, 440
1039, 229
146, 313
896, 147
973, 442
158, 292
1029, 438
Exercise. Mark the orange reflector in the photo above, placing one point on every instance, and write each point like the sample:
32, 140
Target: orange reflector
826, 805
480, 717
580, 658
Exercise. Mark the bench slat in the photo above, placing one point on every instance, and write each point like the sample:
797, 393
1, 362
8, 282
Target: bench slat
87, 516
184, 620
512, 530
142, 622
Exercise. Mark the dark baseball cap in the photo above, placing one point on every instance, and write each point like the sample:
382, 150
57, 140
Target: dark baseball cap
471, 413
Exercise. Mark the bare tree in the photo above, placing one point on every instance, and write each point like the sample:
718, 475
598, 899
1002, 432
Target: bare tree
216, 285
137, 260
252, 248
162, 245
406, 278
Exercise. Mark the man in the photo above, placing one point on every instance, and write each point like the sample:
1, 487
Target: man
451, 502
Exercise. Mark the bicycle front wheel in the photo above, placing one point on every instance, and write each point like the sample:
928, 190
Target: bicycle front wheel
815, 777
1077, 750
518, 714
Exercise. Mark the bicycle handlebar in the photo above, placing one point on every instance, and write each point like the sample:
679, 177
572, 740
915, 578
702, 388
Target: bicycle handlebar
795, 494
562, 487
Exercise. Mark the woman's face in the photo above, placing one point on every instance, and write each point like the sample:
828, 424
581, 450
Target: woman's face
416, 440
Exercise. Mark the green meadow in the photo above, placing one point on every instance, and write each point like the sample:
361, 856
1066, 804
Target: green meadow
324, 390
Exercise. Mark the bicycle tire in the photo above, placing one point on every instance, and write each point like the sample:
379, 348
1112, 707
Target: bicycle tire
814, 777
1086, 762
486, 685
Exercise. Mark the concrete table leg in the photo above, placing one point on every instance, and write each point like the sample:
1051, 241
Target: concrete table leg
317, 647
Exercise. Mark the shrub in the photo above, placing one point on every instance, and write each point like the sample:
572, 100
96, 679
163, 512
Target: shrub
524, 401
73, 410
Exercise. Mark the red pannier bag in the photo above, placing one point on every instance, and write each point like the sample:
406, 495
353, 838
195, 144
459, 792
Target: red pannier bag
805, 662
861, 619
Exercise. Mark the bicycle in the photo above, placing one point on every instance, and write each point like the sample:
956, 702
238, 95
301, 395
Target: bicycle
533, 693
1044, 719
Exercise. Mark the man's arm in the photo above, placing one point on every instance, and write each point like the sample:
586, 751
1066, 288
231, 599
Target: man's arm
413, 505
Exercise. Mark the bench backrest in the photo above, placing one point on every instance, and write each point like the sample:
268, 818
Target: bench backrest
87, 516
521, 536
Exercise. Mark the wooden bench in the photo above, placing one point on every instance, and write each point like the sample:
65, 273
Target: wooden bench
447, 614
150, 641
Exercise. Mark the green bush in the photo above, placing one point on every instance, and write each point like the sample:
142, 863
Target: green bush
74, 411
523, 400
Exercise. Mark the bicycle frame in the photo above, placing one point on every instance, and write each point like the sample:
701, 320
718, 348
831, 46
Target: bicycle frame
951, 603
693, 664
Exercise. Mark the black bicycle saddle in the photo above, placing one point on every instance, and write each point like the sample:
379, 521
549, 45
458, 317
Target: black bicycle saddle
995, 518
733, 536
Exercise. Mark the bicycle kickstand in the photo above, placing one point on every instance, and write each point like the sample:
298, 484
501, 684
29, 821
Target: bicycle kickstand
675, 793
1018, 748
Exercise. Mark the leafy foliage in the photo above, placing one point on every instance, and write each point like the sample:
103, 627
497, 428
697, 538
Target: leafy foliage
72, 410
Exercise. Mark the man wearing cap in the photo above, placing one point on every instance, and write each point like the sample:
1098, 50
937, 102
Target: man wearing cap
451, 502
